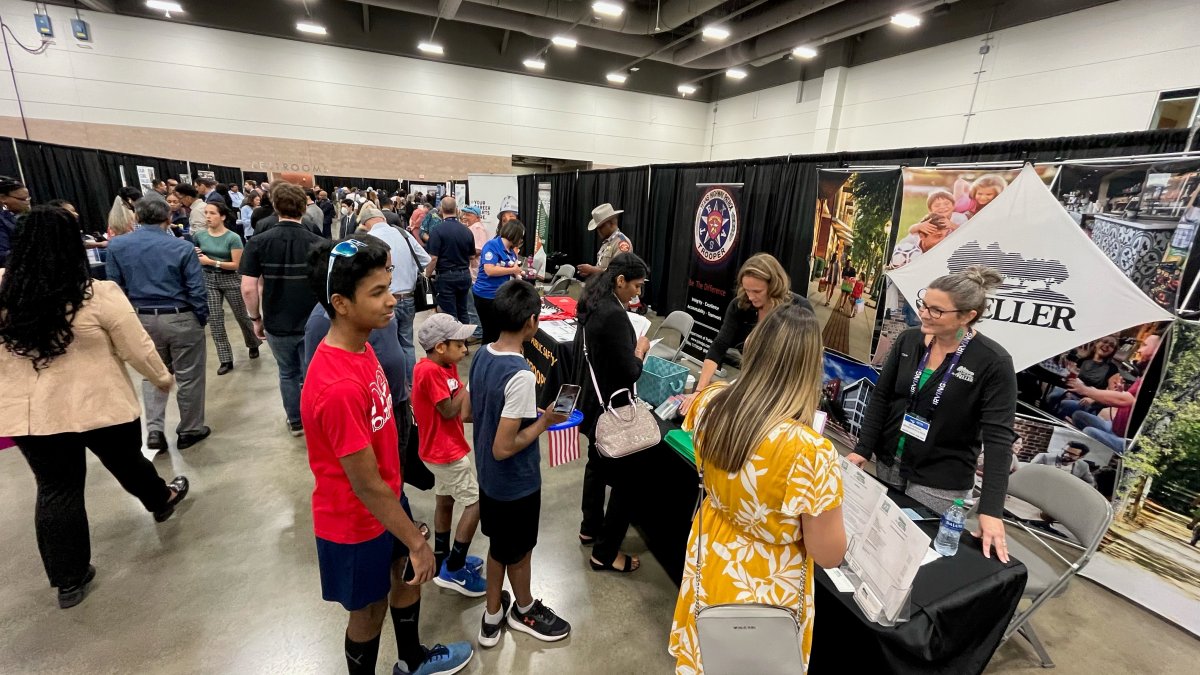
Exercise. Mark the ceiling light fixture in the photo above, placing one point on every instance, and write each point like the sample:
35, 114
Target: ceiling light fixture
906, 20
616, 78
535, 64
686, 89
804, 52
430, 48
306, 27
607, 9
164, 6
736, 73
716, 32
563, 41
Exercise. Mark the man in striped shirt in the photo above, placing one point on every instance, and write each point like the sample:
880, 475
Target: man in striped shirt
278, 298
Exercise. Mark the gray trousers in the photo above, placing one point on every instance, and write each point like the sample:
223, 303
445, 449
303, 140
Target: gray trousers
179, 339
937, 499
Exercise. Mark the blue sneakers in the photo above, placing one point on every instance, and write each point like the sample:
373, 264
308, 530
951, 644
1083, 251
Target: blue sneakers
441, 660
469, 580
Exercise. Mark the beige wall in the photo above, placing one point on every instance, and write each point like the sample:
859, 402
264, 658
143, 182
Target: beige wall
257, 153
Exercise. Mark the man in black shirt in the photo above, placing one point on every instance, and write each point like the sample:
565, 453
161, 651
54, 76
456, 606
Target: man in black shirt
275, 287
452, 246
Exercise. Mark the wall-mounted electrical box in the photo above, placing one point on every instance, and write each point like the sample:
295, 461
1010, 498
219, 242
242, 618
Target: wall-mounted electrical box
80, 29
44, 27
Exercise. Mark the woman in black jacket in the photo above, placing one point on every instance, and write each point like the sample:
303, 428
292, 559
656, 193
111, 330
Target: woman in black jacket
943, 391
615, 354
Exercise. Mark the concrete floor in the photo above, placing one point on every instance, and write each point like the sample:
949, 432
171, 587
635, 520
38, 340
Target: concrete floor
229, 584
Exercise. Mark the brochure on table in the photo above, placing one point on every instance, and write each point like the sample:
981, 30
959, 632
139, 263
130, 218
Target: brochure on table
886, 548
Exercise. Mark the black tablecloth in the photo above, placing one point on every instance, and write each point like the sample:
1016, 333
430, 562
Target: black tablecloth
960, 605
960, 608
551, 362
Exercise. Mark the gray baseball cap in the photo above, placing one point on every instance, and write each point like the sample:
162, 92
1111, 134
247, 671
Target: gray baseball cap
440, 328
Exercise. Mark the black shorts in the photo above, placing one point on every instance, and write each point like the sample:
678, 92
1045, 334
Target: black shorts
511, 526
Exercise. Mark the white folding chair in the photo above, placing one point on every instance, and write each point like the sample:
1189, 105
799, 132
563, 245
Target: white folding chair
680, 322
1074, 505
560, 283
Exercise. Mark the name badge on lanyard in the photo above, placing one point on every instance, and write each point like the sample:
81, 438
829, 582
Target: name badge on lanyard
913, 424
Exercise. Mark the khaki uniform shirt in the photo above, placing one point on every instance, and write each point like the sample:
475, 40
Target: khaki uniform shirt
616, 244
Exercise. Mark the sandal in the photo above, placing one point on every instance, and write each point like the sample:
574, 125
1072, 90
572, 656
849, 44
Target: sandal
586, 540
632, 563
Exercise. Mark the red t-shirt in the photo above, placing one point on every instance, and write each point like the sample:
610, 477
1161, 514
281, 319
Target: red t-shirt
442, 440
346, 406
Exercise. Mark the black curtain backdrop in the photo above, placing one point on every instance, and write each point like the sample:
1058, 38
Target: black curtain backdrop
8, 159
113, 162
527, 199
256, 176
388, 185
224, 174
626, 189
74, 174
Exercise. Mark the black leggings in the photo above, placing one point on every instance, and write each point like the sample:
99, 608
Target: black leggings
60, 468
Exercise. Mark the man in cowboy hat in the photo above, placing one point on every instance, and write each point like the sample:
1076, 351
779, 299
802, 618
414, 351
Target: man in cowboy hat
612, 240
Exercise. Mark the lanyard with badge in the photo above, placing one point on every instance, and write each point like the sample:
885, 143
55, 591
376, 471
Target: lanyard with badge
914, 425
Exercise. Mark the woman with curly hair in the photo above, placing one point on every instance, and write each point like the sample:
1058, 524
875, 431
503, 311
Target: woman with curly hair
64, 343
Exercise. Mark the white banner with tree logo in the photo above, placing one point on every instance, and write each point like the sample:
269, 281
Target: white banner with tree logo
1059, 290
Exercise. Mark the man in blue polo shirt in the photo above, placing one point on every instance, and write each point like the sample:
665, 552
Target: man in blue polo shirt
452, 246
161, 274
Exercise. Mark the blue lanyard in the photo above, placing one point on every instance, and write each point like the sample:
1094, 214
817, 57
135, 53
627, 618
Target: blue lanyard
937, 395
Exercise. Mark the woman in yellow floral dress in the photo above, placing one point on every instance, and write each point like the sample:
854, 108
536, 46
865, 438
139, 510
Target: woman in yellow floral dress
774, 486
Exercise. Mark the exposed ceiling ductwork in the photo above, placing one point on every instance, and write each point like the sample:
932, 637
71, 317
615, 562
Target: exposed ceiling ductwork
634, 20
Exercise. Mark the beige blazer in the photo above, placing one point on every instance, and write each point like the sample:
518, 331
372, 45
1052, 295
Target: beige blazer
88, 387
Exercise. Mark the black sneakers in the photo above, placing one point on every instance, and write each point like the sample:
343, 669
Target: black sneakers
489, 634
295, 428
540, 621
189, 439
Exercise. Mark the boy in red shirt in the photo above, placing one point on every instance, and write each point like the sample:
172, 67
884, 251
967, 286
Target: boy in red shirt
440, 404
364, 535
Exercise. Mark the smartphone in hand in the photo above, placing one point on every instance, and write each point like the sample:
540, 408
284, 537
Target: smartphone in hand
568, 397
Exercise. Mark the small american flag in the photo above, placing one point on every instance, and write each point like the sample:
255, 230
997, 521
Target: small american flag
564, 445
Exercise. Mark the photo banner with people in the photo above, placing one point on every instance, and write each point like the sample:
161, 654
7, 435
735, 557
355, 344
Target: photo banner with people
934, 203
852, 227
1059, 290
492, 193
711, 284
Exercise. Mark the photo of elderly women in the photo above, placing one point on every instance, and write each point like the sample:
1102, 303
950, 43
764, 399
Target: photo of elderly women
945, 389
934, 204
851, 230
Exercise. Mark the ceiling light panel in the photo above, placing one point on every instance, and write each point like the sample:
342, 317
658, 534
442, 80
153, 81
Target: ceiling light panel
164, 6
612, 9
906, 20
804, 52
306, 27
735, 74
535, 64
430, 48
563, 41
686, 89
616, 78
716, 32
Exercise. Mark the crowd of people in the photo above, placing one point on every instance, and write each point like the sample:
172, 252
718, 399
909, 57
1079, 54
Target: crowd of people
333, 297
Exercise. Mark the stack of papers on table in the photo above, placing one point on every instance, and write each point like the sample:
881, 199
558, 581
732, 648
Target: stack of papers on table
561, 331
886, 547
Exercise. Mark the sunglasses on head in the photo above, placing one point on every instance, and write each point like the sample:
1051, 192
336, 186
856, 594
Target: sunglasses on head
343, 249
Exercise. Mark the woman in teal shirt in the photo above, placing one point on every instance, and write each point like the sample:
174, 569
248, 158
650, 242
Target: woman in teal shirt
220, 251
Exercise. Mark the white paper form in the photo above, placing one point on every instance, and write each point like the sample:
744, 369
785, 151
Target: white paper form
886, 557
861, 497
563, 332
641, 325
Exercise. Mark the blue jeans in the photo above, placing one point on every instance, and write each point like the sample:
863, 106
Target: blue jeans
405, 311
289, 356
454, 286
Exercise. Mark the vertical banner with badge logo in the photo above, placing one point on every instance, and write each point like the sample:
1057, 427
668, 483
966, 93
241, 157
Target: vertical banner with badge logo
716, 233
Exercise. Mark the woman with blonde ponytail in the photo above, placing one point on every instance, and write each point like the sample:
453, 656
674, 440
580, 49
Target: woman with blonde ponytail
773, 485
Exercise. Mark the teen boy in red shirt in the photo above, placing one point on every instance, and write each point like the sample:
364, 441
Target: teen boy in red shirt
364, 535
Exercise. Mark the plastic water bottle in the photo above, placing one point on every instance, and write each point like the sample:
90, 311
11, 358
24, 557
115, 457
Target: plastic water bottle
953, 519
